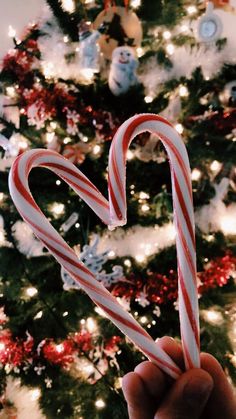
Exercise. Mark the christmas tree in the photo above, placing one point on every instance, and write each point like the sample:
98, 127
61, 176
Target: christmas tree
67, 84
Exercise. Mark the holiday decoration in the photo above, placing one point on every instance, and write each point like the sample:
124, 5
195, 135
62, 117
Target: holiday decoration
123, 28
228, 95
209, 27
122, 72
89, 50
94, 262
114, 214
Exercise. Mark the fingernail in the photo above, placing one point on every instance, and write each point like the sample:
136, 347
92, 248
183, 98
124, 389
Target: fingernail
197, 391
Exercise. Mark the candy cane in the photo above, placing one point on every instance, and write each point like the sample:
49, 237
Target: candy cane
113, 213
183, 215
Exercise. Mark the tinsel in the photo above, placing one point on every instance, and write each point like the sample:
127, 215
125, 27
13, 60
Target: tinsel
163, 289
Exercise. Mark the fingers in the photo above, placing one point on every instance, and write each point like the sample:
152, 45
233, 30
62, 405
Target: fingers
137, 397
187, 397
154, 380
221, 403
173, 349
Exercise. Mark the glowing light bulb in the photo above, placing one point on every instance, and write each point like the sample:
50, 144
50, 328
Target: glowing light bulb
68, 5
143, 319
215, 166
48, 69
60, 348
88, 74
196, 174
170, 49
140, 52
111, 254
53, 124
127, 262
228, 224
58, 182
1, 196
184, 28
191, 10
183, 91
67, 140
166, 35
148, 99
2, 346
135, 4
31, 291
129, 155
38, 315
11, 91
11, 32
144, 195
212, 316
100, 404
96, 149
35, 394
91, 325
57, 209
77, 225
49, 137
179, 128
140, 258
145, 208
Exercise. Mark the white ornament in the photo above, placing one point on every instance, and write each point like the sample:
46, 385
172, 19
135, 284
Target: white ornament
209, 27
228, 95
94, 261
123, 70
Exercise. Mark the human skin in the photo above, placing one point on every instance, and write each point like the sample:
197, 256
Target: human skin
203, 393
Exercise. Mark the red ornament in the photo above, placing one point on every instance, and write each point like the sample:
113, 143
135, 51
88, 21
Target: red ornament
74, 153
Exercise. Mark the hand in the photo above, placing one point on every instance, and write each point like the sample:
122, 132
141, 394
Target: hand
198, 393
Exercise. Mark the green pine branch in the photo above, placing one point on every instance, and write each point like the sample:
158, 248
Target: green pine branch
68, 22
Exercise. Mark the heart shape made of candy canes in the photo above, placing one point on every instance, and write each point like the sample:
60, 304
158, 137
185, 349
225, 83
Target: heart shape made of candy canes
113, 213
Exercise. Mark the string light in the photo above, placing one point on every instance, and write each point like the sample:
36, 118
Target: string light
65, 39
179, 128
135, 4
48, 70
38, 315
11, 32
129, 155
58, 182
96, 149
1, 196
170, 49
140, 52
11, 91
191, 10
183, 91
87, 74
60, 348
215, 166
212, 316
143, 319
166, 35
183, 28
68, 5
148, 99
144, 195
77, 225
67, 140
35, 394
91, 325
65, 314
196, 174
2, 346
228, 224
127, 262
111, 254
31, 291
57, 209
140, 258
100, 404
145, 208
49, 137
53, 124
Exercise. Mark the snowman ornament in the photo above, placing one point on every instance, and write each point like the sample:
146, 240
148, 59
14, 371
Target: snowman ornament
123, 70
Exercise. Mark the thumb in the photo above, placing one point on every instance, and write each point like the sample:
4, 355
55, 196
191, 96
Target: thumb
187, 397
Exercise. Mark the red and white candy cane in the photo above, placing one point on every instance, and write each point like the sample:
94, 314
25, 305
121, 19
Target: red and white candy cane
183, 215
111, 215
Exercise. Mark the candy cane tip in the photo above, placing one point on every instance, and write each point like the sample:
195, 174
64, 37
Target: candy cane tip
116, 223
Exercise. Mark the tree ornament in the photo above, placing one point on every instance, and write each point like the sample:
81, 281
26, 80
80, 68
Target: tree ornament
94, 261
228, 95
122, 74
123, 28
209, 27
89, 50
222, 4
